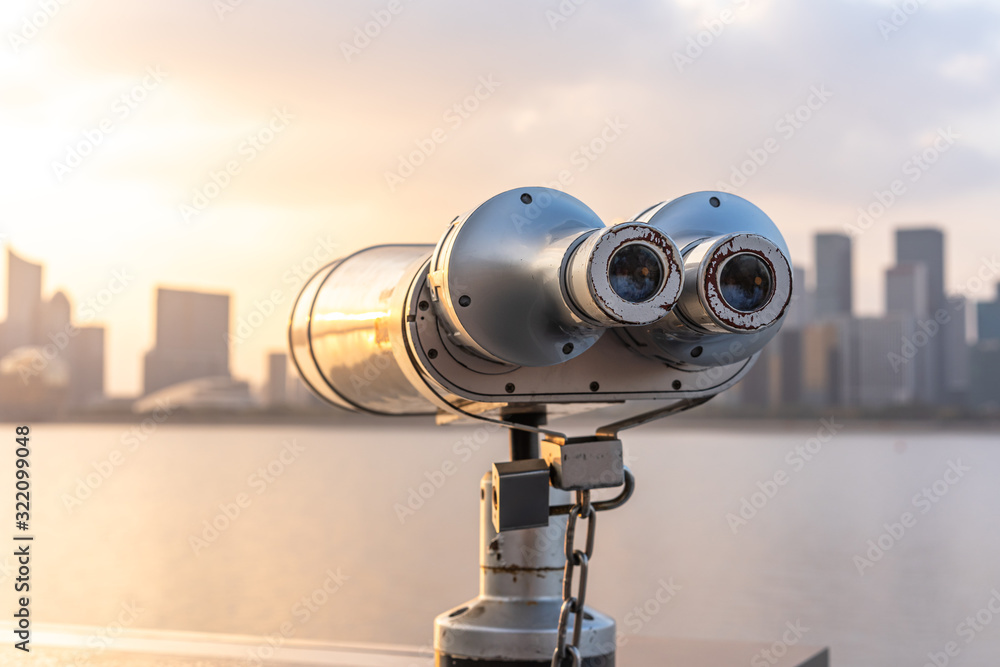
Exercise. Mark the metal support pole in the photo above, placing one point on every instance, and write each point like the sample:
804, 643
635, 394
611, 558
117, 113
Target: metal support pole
514, 620
524, 444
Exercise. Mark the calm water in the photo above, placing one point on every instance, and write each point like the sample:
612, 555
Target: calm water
332, 508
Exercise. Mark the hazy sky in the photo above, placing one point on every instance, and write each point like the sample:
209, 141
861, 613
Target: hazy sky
114, 115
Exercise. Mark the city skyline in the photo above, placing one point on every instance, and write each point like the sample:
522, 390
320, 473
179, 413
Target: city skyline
141, 152
906, 285
47, 362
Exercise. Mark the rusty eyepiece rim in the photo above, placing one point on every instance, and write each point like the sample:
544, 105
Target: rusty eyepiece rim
606, 245
710, 291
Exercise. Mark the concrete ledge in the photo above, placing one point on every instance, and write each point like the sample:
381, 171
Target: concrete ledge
79, 645
643, 651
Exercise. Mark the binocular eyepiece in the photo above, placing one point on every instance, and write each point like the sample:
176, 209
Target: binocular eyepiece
531, 298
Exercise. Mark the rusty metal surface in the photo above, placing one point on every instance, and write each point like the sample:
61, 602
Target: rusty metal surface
703, 331
710, 291
588, 276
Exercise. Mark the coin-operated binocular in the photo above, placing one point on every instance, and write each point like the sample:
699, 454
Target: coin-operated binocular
530, 304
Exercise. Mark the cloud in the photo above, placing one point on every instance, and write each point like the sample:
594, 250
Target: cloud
561, 81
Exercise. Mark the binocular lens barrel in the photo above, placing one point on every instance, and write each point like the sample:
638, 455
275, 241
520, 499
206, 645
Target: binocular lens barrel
532, 279
626, 275
345, 332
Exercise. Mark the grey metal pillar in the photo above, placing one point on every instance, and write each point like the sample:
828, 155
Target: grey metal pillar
513, 621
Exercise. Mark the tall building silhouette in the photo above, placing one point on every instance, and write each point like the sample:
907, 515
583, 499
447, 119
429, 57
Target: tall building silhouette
829, 356
906, 291
988, 318
882, 380
955, 352
826, 371
56, 315
24, 303
984, 364
37, 346
192, 338
833, 275
277, 379
926, 246
86, 352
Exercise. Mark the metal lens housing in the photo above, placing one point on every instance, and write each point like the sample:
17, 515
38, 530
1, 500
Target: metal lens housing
737, 282
496, 278
526, 279
625, 275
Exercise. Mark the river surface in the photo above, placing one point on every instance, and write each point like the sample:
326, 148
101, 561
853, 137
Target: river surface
880, 542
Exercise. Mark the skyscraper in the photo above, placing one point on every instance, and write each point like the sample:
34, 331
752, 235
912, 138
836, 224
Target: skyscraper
277, 378
886, 374
906, 290
828, 375
984, 389
56, 316
833, 275
988, 318
955, 352
86, 378
24, 303
192, 338
760, 387
924, 246
789, 348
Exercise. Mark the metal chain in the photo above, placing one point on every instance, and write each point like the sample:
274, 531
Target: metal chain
575, 558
